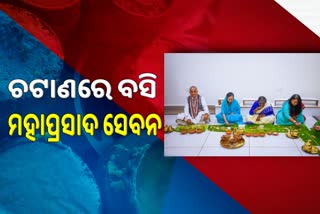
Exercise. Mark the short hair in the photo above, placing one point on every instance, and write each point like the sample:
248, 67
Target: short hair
195, 87
229, 94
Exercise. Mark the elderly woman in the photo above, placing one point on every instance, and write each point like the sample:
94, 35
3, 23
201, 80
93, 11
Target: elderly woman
230, 111
261, 112
291, 112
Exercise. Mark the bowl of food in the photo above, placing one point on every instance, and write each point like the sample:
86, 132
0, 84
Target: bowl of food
316, 127
168, 129
255, 135
192, 131
248, 134
232, 141
183, 132
309, 148
294, 133
199, 131
262, 134
275, 133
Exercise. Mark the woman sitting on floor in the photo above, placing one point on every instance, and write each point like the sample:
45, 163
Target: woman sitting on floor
230, 111
261, 112
291, 112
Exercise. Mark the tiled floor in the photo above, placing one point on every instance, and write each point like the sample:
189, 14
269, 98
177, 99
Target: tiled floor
208, 144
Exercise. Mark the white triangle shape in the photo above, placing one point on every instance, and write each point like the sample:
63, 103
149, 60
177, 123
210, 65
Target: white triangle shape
306, 11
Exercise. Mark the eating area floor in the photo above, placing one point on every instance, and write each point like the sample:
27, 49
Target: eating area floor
208, 143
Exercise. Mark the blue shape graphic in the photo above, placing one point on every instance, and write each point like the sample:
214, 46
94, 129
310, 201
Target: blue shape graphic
191, 192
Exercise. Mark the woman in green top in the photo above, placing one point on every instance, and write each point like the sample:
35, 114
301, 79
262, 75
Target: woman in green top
291, 112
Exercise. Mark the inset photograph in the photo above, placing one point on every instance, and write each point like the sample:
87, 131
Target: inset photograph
242, 104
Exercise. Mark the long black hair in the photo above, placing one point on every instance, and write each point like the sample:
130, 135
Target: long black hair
295, 110
229, 94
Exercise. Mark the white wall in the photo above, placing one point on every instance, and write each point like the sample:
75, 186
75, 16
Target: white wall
247, 75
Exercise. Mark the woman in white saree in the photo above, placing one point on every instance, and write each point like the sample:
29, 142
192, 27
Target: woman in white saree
261, 112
